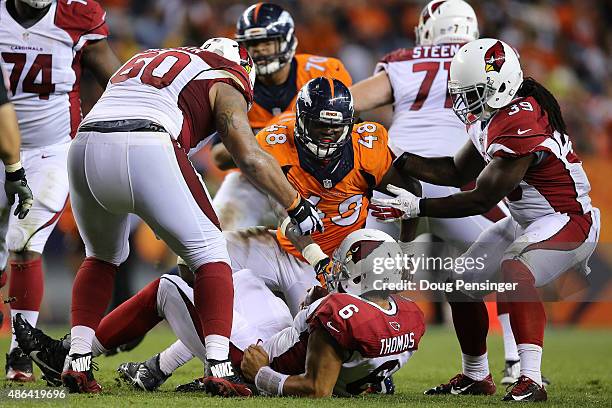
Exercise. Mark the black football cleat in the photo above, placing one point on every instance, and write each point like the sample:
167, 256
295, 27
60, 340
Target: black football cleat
196, 385
386, 386
526, 390
78, 376
145, 376
461, 384
18, 366
47, 353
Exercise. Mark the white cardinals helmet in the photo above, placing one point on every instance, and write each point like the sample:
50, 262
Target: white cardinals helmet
446, 21
485, 75
358, 263
231, 50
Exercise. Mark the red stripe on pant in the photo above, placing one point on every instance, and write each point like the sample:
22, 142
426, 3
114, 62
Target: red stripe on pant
194, 184
131, 319
573, 234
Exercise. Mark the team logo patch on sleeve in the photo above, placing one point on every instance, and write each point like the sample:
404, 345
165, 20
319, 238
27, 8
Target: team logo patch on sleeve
495, 57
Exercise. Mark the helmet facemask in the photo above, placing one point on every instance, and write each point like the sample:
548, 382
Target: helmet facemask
470, 102
268, 64
323, 136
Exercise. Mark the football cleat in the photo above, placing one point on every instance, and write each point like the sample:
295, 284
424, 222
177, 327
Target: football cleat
527, 390
223, 381
78, 374
386, 386
511, 372
461, 384
146, 376
196, 385
18, 366
47, 353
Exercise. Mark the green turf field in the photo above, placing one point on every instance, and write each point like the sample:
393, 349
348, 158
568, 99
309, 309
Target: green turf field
579, 363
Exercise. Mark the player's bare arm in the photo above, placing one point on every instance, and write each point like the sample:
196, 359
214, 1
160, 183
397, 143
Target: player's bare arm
454, 171
323, 363
101, 60
9, 135
498, 179
372, 93
404, 181
229, 107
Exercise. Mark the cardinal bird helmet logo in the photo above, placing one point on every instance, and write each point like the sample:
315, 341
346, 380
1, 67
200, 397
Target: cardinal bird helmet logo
495, 57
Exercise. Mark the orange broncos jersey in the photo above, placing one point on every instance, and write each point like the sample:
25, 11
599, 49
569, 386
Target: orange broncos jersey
264, 112
342, 195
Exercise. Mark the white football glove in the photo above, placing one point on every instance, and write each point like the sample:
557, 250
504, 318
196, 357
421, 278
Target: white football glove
404, 206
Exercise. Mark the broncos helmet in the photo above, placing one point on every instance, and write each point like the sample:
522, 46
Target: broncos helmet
265, 22
324, 117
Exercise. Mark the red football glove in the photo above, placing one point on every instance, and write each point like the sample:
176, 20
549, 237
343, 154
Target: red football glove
385, 214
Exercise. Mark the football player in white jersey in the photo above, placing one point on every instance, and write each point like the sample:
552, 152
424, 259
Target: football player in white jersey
44, 45
518, 149
415, 80
341, 343
134, 160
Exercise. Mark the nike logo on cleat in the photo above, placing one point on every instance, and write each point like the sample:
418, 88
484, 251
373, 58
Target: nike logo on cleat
222, 370
457, 391
81, 363
521, 397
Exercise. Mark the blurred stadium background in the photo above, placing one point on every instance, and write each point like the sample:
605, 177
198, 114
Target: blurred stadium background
567, 45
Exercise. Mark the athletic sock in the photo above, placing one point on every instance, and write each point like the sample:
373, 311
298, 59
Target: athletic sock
174, 357
531, 361
475, 367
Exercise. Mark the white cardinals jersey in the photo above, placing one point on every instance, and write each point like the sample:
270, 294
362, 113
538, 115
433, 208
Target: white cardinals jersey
170, 87
376, 342
43, 63
423, 119
557, 183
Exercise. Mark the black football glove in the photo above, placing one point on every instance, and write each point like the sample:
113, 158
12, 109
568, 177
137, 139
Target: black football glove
16, 183
306, 217
323, 271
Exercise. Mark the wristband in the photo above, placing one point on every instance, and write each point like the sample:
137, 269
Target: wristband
295, 202
11, 168
284, 225
270, 382
422, 207
400, 161
313, 254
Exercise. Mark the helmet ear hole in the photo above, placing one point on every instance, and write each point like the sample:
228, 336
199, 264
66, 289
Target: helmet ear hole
502, 88
357, 280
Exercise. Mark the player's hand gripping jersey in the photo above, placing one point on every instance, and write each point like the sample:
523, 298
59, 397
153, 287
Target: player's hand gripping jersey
304, 67
43, 62
170, 87
376, 342
341, 189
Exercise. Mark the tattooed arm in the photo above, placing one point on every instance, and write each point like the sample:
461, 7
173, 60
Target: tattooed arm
230, 111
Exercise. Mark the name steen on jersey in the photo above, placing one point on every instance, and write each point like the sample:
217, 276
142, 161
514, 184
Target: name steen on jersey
435, 51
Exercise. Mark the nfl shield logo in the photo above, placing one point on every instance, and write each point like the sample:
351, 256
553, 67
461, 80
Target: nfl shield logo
327, 183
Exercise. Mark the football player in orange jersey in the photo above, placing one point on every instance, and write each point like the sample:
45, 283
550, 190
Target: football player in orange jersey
267, 30
333, 162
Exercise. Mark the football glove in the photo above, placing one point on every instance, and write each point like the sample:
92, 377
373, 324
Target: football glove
323, 271
16, 183
404, 206
305, 216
